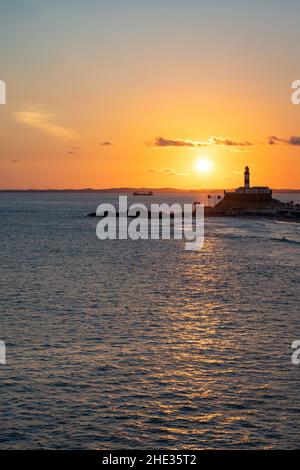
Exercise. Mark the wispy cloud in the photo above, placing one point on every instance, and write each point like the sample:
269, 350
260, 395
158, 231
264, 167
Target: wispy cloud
73, 150
162, 142
293, 140
106, 143
229, 142
169, 171
212, 140
240, 149
45, 122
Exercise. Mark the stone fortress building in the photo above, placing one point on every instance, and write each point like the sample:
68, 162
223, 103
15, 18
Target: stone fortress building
247, 197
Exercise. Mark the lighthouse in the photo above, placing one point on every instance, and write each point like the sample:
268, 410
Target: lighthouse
247, 179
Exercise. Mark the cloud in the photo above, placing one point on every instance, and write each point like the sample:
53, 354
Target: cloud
213, 140
162, 142
73, 150
169, 171
225, 178
240, 149
229, 142
293, 140
16, 161
46, 123
105, 143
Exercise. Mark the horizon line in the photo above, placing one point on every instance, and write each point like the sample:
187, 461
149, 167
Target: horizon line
130, 189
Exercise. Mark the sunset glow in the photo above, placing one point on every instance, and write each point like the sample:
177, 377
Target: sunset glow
150, 231
204, 165
104, 109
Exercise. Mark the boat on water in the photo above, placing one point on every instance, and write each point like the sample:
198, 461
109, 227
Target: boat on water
142, 193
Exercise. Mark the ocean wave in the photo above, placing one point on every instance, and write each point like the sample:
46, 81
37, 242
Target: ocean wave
235, 236
286, 240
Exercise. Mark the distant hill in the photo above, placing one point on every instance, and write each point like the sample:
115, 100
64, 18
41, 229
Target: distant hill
130, 190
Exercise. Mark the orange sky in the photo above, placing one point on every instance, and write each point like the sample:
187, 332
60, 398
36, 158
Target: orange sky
79, 76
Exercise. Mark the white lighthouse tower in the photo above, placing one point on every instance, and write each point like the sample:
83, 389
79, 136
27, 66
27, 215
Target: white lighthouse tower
247, 179
255, 189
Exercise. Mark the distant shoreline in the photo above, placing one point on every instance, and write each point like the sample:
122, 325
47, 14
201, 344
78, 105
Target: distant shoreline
131, 190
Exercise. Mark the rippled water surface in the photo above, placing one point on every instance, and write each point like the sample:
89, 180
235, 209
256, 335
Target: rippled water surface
125, 344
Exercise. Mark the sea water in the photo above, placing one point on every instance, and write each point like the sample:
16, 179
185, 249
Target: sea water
142, 344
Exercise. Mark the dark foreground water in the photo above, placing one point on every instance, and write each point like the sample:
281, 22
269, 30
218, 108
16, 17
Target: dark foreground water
143, 344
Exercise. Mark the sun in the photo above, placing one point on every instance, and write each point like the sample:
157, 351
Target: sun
204, 165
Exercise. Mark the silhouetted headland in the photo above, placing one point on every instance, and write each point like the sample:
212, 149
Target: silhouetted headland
246, 201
